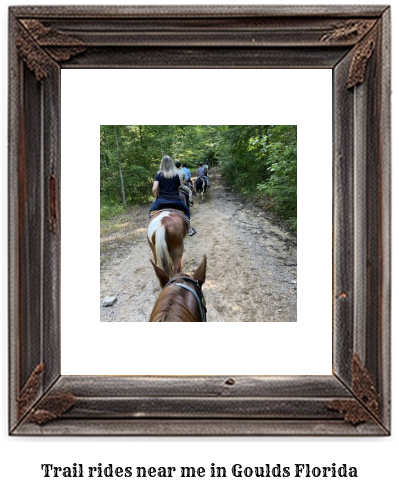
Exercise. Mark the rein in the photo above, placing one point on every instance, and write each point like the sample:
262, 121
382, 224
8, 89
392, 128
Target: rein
197, 293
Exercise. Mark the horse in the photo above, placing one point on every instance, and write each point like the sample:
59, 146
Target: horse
200, 188
165, 235
181, 298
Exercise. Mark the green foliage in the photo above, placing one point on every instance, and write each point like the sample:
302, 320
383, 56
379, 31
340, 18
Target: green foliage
280, 150
109, 210
262, 161
256, 160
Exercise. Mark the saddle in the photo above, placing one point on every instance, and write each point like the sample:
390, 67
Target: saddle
173, 210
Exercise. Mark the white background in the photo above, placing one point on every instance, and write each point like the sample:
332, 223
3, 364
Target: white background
376, 459
298, 97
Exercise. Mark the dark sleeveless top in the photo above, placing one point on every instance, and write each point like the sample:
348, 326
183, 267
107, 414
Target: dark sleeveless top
168, 188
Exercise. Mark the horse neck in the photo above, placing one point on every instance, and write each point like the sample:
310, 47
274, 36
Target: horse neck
173, 305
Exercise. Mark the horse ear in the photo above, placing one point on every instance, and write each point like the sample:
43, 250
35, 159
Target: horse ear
162, 276
200, 272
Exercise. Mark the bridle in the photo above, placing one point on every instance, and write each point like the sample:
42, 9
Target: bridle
196, 292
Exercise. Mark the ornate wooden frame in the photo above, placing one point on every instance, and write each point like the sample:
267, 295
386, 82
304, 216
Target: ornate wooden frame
353, 41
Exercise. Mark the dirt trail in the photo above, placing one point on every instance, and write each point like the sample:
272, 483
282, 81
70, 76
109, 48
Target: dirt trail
251, 268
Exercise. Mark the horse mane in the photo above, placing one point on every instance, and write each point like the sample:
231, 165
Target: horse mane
170, 307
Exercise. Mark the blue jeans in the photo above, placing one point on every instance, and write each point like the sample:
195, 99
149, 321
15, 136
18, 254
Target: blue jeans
164, 203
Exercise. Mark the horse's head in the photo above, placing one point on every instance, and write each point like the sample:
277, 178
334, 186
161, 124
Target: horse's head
181, 298
199, 274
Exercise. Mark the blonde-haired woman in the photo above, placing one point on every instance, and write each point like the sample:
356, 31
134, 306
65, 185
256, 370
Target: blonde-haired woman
166, 189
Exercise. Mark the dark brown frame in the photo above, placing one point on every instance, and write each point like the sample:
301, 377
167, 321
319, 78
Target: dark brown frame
353, 41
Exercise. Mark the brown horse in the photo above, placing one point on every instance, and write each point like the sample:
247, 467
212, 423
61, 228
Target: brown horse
181, 298
165, 234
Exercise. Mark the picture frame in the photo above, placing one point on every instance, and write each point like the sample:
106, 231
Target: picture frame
352, 41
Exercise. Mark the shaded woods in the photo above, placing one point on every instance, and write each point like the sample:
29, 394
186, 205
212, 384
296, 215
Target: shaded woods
259, 162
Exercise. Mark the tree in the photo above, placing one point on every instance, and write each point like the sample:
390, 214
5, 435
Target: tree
256, 160
120, 168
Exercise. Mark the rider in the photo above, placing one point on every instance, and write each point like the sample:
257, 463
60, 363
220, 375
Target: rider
187, 172
202, 174
166, 190
183, 185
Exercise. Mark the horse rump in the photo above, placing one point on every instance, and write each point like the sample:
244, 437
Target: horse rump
199, 184
200, 188
165, 235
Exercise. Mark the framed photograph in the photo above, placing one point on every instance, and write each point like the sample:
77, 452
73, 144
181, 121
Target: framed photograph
352, 43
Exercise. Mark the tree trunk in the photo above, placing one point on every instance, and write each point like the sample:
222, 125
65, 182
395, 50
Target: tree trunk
120, 169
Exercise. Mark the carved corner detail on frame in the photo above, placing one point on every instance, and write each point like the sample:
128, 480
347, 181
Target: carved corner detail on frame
30, 391
363, 53
352, 411
35, 58
52, 407
49, 408
38, 46
352, 30
363, 386
355, 412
